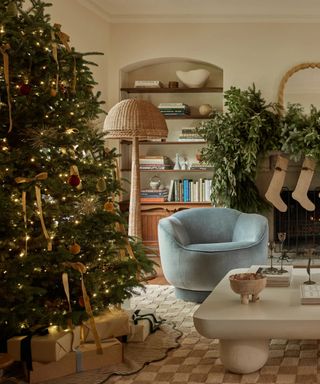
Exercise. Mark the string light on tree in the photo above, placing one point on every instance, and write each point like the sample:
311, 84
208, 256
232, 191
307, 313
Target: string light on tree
49, 130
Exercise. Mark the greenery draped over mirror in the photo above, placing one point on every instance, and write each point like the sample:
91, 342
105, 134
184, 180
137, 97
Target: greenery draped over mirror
240, 137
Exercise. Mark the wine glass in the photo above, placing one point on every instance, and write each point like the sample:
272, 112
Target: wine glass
282, 238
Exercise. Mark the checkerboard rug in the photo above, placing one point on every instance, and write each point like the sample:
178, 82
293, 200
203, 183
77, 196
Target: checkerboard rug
196, 360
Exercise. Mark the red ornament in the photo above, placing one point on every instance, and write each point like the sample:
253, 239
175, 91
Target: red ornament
74, 180
25, 89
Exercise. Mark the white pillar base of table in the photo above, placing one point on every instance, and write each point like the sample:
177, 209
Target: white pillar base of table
244, 356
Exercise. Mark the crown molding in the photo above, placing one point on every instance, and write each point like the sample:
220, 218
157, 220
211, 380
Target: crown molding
96, 9
205, 19
100, 11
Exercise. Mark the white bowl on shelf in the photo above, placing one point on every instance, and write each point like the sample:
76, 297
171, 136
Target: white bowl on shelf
195, 78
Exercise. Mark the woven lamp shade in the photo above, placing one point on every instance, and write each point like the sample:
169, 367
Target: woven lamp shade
135, 118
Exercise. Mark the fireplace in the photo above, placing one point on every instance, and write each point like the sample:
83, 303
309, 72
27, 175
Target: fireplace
302, 227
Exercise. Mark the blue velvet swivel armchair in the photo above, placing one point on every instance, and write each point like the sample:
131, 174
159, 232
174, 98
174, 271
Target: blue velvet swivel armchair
198, 246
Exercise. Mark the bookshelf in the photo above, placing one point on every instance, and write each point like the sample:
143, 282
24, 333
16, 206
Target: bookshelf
164, 70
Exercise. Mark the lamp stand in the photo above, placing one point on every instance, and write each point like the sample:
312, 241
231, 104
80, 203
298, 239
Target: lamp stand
134, 228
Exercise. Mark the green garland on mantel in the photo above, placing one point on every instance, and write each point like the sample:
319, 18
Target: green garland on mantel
240, 137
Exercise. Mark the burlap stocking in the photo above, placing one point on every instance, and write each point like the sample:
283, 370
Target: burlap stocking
276, 184
301, 191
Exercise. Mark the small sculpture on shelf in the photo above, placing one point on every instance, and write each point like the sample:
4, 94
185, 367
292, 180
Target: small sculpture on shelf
155, 182
184, 164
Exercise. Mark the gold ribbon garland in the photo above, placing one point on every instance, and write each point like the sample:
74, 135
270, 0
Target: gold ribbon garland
20, 180
78, 266
3, 50
65, 38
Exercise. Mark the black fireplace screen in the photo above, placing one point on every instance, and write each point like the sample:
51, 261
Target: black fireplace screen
302, 227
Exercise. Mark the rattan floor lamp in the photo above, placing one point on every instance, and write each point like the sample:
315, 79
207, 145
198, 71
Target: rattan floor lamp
135, 120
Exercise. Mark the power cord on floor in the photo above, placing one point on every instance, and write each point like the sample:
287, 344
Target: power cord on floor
178, 344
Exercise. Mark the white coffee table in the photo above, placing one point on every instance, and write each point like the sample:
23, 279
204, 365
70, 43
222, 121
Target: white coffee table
244, 330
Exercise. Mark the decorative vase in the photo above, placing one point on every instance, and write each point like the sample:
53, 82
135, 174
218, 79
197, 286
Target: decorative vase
177, 162
193, 79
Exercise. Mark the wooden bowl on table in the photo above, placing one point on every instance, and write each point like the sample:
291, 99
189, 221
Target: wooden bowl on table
248, 284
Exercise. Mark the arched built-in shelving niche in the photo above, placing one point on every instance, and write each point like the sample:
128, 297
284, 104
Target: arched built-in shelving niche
164, 69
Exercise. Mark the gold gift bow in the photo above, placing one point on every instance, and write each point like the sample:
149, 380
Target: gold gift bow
63, 37
78, 266
20, 180
3, 50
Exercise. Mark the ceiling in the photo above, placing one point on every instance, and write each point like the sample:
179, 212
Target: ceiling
205, 10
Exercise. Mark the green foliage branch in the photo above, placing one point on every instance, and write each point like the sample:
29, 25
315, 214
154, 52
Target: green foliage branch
300, 132
236, 140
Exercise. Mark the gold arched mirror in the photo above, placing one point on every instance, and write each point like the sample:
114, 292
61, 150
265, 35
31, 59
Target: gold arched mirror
302, 88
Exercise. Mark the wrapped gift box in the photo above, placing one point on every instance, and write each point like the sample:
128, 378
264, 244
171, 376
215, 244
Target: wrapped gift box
142, 324
84, 358
46, 371
113, 323
87, 357
47, 348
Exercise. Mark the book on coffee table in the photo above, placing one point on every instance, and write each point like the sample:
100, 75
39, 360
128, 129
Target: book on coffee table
277, 279
310, 293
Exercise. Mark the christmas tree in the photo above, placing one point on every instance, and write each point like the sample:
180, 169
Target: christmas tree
58, 215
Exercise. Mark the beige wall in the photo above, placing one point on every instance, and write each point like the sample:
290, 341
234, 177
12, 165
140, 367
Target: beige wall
88, 33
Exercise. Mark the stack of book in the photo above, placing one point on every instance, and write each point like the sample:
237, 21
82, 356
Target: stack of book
310, 294
174, 109
274, 279
155, 162
201, 166
148, 84
153, 195
190, 134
